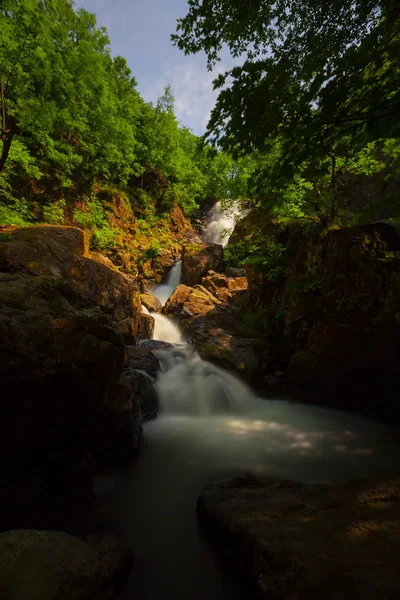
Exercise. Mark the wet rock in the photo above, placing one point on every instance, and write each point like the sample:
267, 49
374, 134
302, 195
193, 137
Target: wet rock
217, 332
197, 259
301, 542
47, 565
155, 345
151, 302
143, 368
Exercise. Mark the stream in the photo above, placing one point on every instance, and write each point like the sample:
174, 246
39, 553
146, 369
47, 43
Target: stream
212, 425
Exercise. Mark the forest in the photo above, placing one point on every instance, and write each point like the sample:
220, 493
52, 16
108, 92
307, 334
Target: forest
77, 136
307, 128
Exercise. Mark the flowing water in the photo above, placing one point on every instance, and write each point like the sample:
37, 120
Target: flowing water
211, 425
220, 225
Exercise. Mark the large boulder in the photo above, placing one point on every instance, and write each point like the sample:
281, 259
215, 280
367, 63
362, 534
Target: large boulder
226, 289
199, 258
151, 302
188, 304
216, 328
64, 318
294, 541
49, 565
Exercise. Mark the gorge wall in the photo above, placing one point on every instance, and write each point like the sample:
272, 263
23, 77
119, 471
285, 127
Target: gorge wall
67, 320
331, 315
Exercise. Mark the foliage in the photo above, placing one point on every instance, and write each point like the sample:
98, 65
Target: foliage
314, 104
54, 213
73, 124
263, 252
15, 213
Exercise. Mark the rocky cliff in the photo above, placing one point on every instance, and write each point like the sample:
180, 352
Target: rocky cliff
331, 315
67, 403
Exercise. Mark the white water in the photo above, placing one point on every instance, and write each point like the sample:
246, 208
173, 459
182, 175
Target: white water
164, 290
220, 225
165, 329
211, 425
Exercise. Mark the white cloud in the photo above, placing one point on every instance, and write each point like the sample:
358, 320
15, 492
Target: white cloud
193, 90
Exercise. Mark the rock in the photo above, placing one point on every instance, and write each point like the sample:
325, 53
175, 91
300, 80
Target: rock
296, 541
48, 565
154, 345
151, 302
143, 368
271, 381
225, 289
332, 316
64, 316
235, 272
233, 352
140, 358
218, 334
197, 259
189, 303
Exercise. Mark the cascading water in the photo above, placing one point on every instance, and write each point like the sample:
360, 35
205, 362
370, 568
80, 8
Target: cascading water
220, 224
165, 329
203, 388
164, 290
211, 425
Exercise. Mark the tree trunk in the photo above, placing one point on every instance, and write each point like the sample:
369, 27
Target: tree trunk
7, 141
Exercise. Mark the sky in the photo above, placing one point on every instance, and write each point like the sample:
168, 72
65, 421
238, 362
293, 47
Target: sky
140, 31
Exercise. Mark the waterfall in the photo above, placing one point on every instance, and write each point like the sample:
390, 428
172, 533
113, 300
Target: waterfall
165, 329
190, 385
219, 223
211, 426
164, 290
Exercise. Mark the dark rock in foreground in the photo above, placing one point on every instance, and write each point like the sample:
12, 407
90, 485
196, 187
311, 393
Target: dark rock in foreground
295, 541
66, 406
45, 565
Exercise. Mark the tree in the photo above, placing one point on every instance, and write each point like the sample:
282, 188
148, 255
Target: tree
319, 82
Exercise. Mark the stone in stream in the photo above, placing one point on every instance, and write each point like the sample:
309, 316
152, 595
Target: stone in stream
50, 565
142, 368
151, 302
297, 541
197, 259
217, 331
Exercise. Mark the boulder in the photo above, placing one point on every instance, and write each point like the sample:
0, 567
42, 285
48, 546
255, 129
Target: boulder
225, 289
151, 302
142, 368
299, 541
235, 272
64, 318
218, 333
197, 259
48, 565
189, 303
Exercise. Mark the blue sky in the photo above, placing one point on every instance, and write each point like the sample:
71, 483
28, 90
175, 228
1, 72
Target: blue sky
140, 31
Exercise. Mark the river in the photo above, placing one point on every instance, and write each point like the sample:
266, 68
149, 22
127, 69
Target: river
212, 425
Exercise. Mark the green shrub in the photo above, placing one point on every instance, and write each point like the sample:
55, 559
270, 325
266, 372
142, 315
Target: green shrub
104, 238
93, 217
54, 213
154, 250
15, 212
